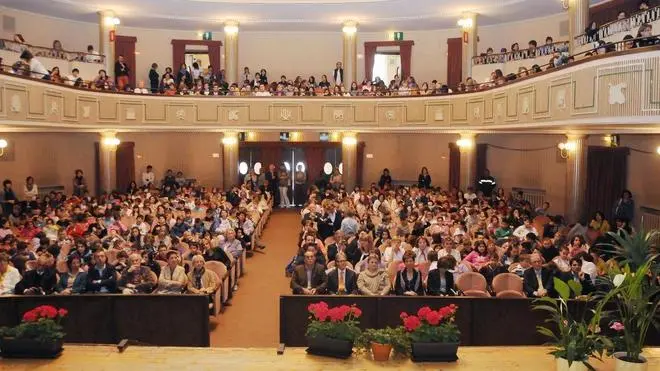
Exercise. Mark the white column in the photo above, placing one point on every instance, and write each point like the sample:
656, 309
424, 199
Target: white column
230, 159
349, 58
107, 23
231, 52
349, 159
469, 26
576, 176
468, 159
578, 19
108, 161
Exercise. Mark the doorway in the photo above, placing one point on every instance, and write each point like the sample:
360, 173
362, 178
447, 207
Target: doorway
125, 45
387, 66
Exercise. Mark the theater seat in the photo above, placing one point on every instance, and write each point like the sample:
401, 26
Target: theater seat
508, 285
222, 290
472, 284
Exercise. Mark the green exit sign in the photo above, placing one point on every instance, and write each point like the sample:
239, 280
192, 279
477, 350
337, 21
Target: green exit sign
207, 36
398, 36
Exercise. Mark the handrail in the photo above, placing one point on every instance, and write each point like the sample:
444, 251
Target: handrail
620, 48
649, 210
529, 53
621, 25
43, 51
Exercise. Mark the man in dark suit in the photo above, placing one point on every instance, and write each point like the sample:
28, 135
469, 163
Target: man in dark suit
577, 275
121, 73
538, 280
101, 277
338, 74
273, 183
440, 281
309, 278
342, 281
40, 281
330, 221
338, 246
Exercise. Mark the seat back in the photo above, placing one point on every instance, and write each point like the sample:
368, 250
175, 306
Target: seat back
218, 268
471, 281
507, 281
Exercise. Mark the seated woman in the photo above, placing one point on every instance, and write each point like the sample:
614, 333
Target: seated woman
137, 279
172, 278
578, 246
373, 280
200, 281
563, 261
74, 280
409, 280
478, 257
441, 280
599, 223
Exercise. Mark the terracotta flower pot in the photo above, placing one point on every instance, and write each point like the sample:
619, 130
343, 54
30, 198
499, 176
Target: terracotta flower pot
381, 352
620, 364
562, 365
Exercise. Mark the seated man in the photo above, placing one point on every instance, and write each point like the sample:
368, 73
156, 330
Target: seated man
341, 280
338, 246
101, 277
201, 281
40, 281
172, 278
537, 280
136, 279
440, 281
309, 278
313, 247
232, 245
577, 275
9, 276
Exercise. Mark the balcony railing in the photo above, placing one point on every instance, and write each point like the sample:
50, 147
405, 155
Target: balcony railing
531, 53
42, 51
630, 24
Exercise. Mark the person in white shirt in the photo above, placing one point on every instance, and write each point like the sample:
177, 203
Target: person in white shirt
92, 55
589, 267
470, 195
74, 77
9, 276
449, 250
173, 279
148, 177
30, 190
422, 250
141, 89
262, 91
37, 70
394, 252
524, 229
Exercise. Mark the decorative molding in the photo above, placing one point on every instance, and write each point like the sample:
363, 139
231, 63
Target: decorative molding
476, 112
86, 111
338, 115
500, 109
130, 113
525, 106
439, 115
616, 95
180, 114
15, 104
285, 114
232, 115
390, 115
54, 108
561, 99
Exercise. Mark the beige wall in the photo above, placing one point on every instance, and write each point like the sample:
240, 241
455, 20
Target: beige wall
528, 169
289, 53
51, 158
643, 181
405, 154
191, 153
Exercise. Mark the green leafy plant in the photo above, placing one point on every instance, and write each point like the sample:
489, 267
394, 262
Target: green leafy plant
42, 323
430, 326
396, 337
636, 294
633, 250
335, 323
575, 340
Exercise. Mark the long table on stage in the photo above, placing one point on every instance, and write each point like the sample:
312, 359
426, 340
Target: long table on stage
107, 358
173, 320
482, 321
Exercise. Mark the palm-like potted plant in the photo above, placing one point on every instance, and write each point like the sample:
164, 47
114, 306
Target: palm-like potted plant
39, 335
575, 340
332, 331
433, 334
636, 296
382, 341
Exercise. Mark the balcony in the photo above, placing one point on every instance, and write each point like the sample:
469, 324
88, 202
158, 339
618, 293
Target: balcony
615, 92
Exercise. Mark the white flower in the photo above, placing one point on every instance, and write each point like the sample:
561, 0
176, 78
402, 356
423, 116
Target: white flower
618, 279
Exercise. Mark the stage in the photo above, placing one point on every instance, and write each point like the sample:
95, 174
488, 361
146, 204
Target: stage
107, 358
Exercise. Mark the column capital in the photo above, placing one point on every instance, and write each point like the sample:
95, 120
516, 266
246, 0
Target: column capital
576, 136
230, 138
349, 27
349, 139
231, 27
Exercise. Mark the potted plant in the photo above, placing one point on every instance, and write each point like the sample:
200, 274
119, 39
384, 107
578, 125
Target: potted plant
575, 340
332, 331
39, 335
636, 296
382, 341
433, 334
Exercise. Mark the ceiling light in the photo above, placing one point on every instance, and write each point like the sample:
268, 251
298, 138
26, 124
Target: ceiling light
231, 29
112, 21
465, 23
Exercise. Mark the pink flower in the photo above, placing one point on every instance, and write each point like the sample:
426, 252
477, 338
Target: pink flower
403, 315
617, 326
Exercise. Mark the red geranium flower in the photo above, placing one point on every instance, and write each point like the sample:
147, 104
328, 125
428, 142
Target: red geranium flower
411, 323
62, 312
423, 311
356, 312
335, 314
30, 316
403, 315
433, 318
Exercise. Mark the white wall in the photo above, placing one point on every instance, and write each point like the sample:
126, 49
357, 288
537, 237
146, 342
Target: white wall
504, 35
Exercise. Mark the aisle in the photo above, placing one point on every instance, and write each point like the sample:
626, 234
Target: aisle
253, 318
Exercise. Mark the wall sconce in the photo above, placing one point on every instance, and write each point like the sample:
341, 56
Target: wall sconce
334, 136
564, 4
229, 141
465, 143
3, 145
565, 149
657, 150
112, 21
465, 23
349, 141
231, 28
111, 141
295, 136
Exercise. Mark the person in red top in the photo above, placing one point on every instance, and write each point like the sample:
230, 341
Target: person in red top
78, 228
29, 230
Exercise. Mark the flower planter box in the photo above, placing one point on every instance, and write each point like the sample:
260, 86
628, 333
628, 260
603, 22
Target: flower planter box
29, 348
434, 352
324, 346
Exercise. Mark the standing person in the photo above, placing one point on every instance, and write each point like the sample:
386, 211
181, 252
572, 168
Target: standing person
424, 180
148, 177
154, 78
273, 183
79, 184
338, 74
624, 208
9, 198
30, 193
385, 179
486, 184
121, 73
284, 187
300, 180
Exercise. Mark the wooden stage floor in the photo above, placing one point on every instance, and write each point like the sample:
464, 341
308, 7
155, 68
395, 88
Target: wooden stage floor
107, 358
